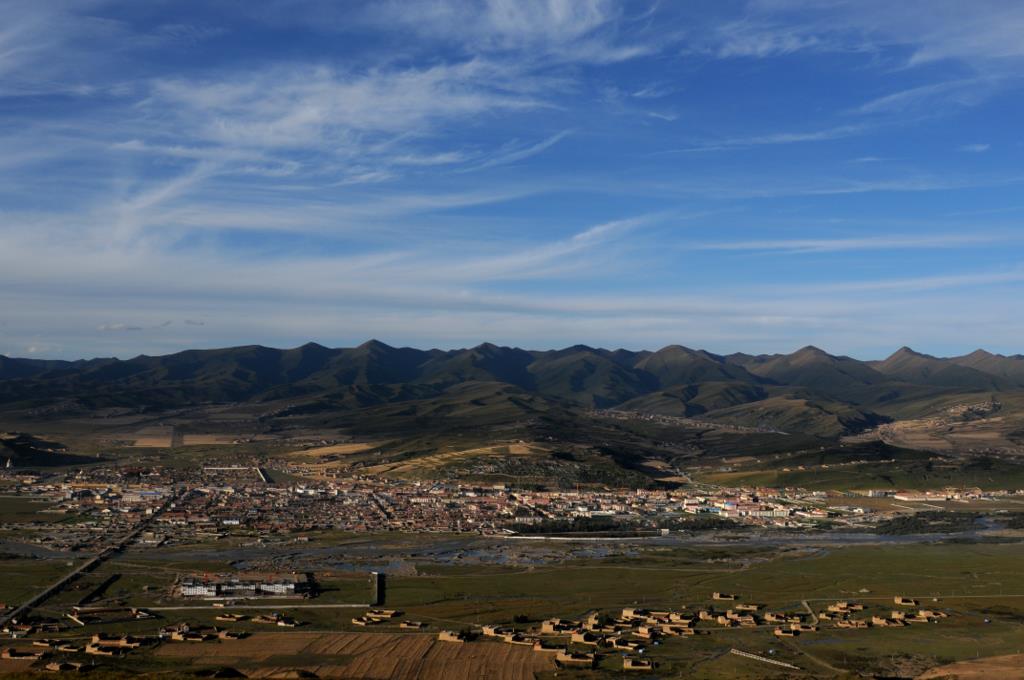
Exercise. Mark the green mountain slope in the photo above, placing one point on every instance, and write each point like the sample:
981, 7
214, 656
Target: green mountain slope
696, 399
808, 391
921, 369
677, 365
813, 368
1009, 369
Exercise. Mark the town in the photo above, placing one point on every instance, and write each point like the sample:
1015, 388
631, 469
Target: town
143, 560
217, 502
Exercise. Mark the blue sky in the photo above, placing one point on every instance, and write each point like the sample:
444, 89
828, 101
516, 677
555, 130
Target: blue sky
738, 176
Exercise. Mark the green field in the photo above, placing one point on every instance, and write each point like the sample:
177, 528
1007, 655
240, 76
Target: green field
912, 473
19, 509
973, 582
23, 578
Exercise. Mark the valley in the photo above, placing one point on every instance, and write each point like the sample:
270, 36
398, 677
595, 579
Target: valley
502, 489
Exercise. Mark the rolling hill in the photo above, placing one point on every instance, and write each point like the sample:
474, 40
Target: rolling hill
1009, 369
812, 368
922, 369
809, 391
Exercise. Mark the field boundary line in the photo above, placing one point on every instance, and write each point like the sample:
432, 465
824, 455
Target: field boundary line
756, 657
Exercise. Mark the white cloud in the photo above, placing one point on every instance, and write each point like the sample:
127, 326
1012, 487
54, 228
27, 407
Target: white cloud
550, 31
653, 91
548, 260
928, 98
440, 158
758, 39
927, 283
108, 327
725, 188
304, 108
341, 127
975, 148
514, 152
32, 31
51, 47
982, 32
349, 171
831, 245
776, 138
670, 117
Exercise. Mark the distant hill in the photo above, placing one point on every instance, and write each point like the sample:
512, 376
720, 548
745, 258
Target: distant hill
813, 368
807, 415
696, 399
923, 369
24, 450
1009, 369
808, 391
676, 365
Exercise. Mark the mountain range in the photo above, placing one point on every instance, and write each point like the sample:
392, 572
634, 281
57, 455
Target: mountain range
808, 391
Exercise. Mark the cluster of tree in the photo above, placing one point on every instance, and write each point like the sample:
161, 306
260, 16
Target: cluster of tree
574, 526
1014, 520
703, 522
932, 522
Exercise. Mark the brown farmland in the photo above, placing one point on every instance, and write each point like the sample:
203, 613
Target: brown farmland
1010, 667
376, 656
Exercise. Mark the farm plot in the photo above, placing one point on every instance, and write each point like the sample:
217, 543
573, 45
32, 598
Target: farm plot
334, 450
150, 437
18, 666
365, 655
210, 439
424, 464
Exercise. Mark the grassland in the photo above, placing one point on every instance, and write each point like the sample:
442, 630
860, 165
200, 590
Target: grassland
907, 473
1007, 666
15, 509
981, 586
23, 578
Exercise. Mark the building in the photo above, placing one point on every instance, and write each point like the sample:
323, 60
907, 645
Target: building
378, 588
249, 585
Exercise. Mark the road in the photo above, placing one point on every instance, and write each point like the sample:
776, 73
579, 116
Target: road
86, 567
272, 607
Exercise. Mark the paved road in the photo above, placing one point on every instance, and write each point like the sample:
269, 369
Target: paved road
921, 598
279, 606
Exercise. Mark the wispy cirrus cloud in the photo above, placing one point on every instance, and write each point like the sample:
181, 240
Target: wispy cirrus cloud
48, 48
366, 127
756, 37
775, 139
953, 93
117, 327
836, 245
546, 260
34, 31
513, 152
305, 107
979, 32
552, 31
460, 169
928, 283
